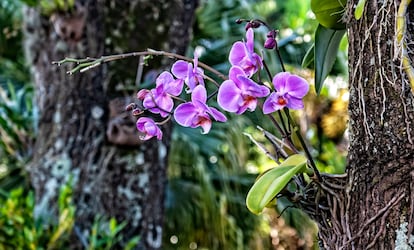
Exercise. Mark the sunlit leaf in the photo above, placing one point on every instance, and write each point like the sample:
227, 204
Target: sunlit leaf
359, 9
326, 48
329, 12
273, 181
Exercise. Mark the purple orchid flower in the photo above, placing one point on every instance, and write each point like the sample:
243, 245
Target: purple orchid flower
186, 72
171, 86
149, 128
158, 100
242, 54
196, 113
240, 93
290, 89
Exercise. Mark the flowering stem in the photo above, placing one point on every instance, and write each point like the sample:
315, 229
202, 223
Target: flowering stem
285, 129
302, 142
90, 62
280, 57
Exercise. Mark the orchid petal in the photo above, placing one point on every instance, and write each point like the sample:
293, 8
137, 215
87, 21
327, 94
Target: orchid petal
237, 53
164, 78
229, 96
250, 40
217, 115
280, 81
296, 86
271, 104
184, 114
295, 103
180, 69
199, 94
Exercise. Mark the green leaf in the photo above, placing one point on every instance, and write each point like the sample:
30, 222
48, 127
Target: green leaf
329, 13
309, 58
326, 48
273, 181
359, 10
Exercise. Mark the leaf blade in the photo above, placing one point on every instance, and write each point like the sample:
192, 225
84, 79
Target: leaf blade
326, 48
272, 182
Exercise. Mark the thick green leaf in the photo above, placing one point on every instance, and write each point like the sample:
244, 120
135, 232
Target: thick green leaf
273, 181
309, 58
329, 13
359, 10
326, 48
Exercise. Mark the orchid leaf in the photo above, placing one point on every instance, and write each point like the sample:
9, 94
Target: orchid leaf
326, 49
309, 58
273, 181
329, 13
359, 9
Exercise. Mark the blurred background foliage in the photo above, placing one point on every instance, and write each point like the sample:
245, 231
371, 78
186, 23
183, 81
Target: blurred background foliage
209, 175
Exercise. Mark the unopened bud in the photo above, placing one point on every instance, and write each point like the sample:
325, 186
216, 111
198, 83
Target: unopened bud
270, 43
137, 112
239, 21
130, 106
252, 24
142, 93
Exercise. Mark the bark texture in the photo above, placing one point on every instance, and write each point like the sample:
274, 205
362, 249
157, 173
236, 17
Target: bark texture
372, 207
126, 180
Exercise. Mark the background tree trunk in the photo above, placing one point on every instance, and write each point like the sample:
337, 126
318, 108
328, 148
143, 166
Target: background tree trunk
126, 180
377, 204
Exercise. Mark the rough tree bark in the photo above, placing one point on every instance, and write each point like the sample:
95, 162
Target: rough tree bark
123, 181
372, 206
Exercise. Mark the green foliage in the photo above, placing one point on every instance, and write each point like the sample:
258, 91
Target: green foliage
359, 9
327, 42
17, 131
48, 7
272, 182
211, 212
19, 229
329, 13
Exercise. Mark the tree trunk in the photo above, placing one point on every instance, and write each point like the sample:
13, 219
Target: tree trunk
372, 207
82, 135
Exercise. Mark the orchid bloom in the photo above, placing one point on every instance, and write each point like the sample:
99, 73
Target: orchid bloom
290, 89
242, 54
158, 100
171, 86
149, 128
196, 113
186, 72
240, 93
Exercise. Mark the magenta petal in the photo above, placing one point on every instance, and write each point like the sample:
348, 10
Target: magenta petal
217, 115
180, 69
229, 96
250, 40
175, 87
237, 53
271, 105
199, 94
205, 125
251, 104
295, 103
166, 104
164, 78
149, 128
296, 86
235, 72
184, 114
280, 81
